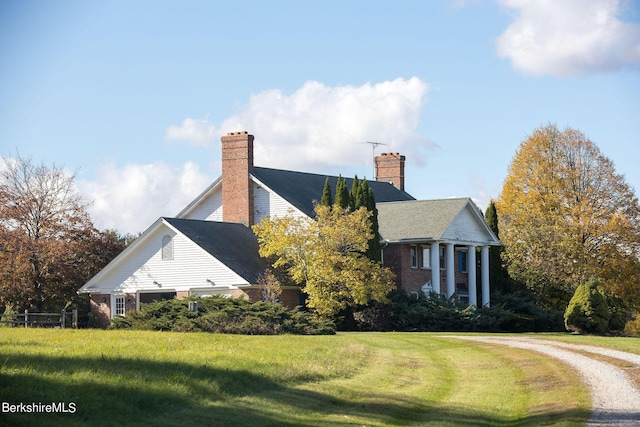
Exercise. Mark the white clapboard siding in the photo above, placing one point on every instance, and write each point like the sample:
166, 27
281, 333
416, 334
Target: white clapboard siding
145, 270
466, 227
268, 203
209, 208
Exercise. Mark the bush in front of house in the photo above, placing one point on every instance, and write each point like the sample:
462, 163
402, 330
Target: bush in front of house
514, 312
587, 310
218, 314
592, 310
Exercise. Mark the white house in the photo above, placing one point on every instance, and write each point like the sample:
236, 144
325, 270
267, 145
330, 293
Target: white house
209, 247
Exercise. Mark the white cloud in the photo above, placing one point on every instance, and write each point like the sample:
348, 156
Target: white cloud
321, 128
131, 198
569, 37
194, 132
317, 128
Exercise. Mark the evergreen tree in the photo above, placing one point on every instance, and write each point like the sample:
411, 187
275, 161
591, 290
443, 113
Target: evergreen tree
342, 194
374, 252
587, 311
353, 195
359, 193
327, 198
497, 274
360, 196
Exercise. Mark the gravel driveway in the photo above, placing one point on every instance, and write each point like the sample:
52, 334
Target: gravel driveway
616, 402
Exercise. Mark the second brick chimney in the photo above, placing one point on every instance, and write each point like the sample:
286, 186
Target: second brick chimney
237, 191
390, 168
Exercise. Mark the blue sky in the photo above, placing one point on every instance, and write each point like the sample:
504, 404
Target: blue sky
133, 96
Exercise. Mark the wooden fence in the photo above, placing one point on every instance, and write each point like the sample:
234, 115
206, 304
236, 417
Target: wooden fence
64, 319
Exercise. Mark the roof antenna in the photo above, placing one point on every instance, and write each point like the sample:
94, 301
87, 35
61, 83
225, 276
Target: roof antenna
374, 145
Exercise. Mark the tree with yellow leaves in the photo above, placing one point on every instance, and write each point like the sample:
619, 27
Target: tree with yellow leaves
567, 217
326, 257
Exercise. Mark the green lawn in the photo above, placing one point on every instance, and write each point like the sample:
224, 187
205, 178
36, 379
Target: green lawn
373, 379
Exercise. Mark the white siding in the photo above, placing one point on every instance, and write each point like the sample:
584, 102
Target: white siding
268, 203
261, 203
143, 269
209, 208
467, 227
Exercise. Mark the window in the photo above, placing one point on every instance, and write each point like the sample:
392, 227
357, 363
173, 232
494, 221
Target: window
426, 257
414, 257
462, 291
462, 261
146, 297
119, 306
442, 258
167, 247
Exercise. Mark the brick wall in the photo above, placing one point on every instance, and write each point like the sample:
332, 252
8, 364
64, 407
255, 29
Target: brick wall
290, 296
237, 191
101, 306
390, 168
397, 257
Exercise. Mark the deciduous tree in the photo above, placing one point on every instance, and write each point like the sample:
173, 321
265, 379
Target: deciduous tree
326, 257
567, 216
48, 244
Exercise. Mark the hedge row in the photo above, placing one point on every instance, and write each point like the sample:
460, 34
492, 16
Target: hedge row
508, 313
223, 315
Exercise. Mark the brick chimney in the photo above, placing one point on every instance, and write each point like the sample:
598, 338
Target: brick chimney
390, 168
237, 164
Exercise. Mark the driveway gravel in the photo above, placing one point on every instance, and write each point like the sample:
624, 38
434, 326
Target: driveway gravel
616, 402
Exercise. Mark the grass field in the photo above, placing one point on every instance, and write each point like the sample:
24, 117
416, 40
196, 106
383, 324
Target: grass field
161, 379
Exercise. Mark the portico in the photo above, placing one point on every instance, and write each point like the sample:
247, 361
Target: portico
449, 261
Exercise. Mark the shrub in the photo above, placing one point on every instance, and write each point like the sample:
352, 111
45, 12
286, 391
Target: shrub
515, 312
620, 313
632, 328
223, 315
587, 311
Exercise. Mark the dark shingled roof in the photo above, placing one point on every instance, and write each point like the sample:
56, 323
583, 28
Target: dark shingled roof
301, 188
235, 245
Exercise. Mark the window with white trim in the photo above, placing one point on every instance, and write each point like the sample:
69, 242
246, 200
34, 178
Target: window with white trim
167, 247
426, 257
462, 261
119, 306
414, 256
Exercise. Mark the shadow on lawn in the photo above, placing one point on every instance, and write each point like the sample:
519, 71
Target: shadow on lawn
116, 391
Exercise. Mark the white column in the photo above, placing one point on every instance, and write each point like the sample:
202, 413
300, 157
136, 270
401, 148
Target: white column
435, 267
451, 272
484, 271
471, 268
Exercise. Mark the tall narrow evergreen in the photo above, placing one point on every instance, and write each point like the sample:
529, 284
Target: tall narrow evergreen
327, 198
374, 252
342, 193
498, 276
491, 216
359, 193
353, 195
359, 196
